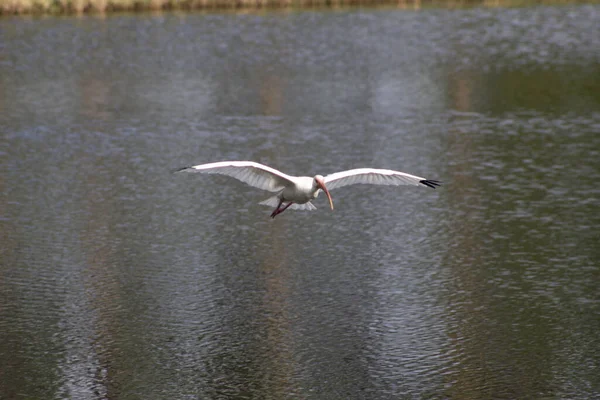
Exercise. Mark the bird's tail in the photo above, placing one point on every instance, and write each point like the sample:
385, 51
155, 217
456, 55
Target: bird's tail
274, 201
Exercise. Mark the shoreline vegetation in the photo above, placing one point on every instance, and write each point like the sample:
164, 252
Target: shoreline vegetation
67, 7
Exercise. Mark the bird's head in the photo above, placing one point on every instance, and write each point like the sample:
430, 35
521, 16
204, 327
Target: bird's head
320, 184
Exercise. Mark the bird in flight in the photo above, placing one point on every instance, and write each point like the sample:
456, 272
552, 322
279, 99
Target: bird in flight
296, 192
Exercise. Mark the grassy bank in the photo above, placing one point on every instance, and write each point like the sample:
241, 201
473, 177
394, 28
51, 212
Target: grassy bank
16, 7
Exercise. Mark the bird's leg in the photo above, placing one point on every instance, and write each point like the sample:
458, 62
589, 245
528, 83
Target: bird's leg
286, 207
278, 211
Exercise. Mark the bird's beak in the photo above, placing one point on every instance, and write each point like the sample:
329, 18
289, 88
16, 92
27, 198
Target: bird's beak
322, 186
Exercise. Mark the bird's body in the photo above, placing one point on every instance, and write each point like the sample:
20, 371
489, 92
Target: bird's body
298, 191
302, 191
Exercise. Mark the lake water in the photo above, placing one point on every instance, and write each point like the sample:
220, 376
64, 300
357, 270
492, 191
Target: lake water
122, 280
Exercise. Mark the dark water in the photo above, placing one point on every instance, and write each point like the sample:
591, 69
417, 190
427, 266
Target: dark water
120, 280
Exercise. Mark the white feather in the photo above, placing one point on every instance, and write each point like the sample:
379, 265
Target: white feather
371, 176
252, 173
304, 207
274, 202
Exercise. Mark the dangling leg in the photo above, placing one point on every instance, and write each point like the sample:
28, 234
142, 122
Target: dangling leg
274, 213
285, 208
278, 211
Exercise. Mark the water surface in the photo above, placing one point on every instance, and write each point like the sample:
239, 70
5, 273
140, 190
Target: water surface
120, 279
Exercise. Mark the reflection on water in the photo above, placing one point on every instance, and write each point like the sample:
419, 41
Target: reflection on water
120, 279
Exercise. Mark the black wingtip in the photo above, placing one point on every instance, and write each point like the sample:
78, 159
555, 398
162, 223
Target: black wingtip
181, 169
430, 183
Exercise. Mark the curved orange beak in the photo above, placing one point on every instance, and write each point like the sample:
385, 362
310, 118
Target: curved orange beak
322, 186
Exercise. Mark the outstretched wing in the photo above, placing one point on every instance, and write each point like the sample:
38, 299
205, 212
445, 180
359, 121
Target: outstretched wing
252, 173
376, 177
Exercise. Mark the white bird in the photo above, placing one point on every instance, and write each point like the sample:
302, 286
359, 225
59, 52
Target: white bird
298, 191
